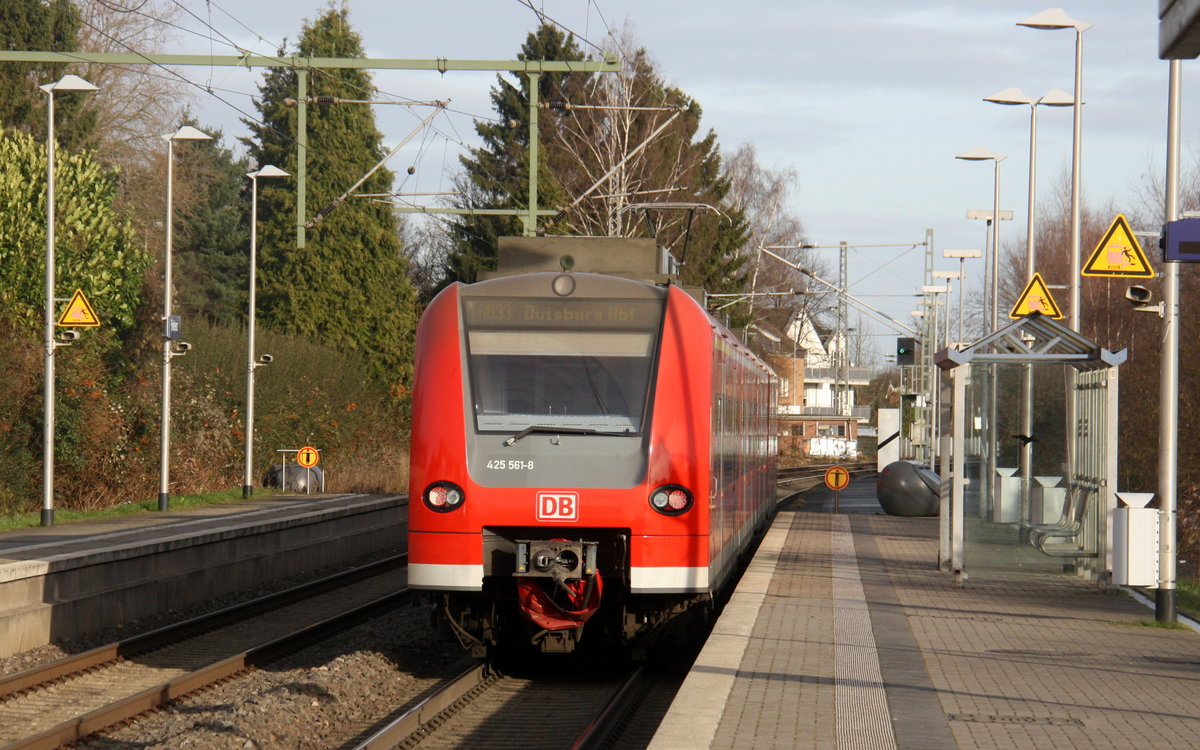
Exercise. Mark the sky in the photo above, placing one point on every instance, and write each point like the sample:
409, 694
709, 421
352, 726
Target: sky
868, 102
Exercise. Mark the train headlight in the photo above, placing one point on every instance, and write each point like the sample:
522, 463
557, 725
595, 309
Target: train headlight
443, 497
671, 500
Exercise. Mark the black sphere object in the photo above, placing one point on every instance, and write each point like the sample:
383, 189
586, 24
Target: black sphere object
905, 488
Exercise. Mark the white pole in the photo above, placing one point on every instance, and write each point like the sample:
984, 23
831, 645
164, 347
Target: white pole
164, 446
1168, 389
1076, 219
48, 398
994, 325
248, 482
1027, 390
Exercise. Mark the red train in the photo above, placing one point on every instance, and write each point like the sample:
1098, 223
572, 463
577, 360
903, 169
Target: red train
590, 455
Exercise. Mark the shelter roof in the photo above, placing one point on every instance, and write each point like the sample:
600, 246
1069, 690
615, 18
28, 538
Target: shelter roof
1034, 338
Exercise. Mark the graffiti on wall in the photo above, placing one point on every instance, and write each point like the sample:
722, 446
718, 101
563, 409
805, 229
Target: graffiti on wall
834, 447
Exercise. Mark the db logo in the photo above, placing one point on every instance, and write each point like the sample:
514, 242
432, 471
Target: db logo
557, 506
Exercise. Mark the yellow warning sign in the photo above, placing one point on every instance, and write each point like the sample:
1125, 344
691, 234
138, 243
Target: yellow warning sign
1119, 254
79, 312
1036, 298
837, 477
308, 456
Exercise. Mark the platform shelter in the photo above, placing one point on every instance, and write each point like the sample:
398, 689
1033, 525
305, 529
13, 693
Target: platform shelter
1028, 458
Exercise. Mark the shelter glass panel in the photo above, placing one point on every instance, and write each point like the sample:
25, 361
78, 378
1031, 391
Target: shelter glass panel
1017, 465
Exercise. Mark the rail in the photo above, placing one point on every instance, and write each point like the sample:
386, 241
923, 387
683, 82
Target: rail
817, 471
589, 710
77, 721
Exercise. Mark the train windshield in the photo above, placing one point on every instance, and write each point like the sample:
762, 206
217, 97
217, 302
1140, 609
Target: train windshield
572, 363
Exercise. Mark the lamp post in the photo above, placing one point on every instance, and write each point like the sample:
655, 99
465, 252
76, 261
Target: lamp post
931, 292
980, 153
170, 331
947, 276
1055, 18
1168, 382
66, 83
268, 170
962, 256
1052, 98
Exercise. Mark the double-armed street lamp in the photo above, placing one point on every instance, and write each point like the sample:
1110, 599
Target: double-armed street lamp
66, 83
979, 153
1055, 18
268, 170
1052, 98
170, 348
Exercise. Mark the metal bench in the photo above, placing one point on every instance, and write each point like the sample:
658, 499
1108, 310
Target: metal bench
1068, 527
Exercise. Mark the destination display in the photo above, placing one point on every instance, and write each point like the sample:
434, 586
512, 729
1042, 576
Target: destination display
527, 314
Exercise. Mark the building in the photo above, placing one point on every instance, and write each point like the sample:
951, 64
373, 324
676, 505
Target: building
818, 416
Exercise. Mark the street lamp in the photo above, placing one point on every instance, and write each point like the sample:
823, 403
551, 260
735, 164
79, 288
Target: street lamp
947, 276
979, 153
1052, 98
962, 256
170, 326
66, 83
1055, 18
931, 292
268, 170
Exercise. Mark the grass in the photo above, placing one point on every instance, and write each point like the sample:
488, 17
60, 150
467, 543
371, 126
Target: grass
1164, 625
27, 520
1187, 596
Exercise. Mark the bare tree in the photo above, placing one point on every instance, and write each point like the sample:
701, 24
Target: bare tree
137, 102
629, 152
763, 196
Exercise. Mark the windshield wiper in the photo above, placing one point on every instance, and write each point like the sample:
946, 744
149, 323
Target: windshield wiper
547, 429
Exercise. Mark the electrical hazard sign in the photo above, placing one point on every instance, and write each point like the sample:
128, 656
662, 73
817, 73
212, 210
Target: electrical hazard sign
1119, 254
79, 312
1036, 298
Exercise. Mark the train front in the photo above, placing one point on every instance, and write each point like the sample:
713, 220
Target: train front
551, 490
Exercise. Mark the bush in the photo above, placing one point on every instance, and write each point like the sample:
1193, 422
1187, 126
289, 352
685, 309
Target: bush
309, 395
107, 419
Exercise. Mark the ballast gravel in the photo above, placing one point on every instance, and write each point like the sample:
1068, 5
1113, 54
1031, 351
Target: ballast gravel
328, 695
325, 696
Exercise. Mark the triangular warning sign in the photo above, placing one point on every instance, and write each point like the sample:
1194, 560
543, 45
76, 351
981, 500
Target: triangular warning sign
79, 312
1119, 254
1036, 298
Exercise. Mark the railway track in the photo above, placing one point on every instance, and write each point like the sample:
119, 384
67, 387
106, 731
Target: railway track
487, 710
66, 700
817, 471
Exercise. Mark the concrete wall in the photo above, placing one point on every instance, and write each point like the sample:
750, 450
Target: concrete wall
43, 600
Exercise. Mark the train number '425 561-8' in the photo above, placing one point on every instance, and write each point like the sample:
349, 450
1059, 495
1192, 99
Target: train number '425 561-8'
510, 465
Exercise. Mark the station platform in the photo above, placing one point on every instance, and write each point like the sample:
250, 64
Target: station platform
843, 633
64, 580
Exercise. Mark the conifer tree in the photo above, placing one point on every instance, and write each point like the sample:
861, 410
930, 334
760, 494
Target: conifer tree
496, 175
348, 286
581, 145
212, 238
